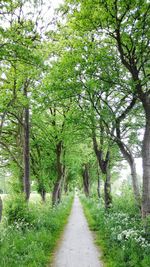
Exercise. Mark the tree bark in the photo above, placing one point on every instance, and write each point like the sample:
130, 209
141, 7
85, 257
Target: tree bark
135, 184
26, 150
66, 184
43, 195
55, 193
60, 191
146, 162
107, 189
98, 187
64, 175
104, 167
57, 186
1, 208
86, 183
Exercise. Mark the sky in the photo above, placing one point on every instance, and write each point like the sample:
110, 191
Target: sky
55, 3
48, 13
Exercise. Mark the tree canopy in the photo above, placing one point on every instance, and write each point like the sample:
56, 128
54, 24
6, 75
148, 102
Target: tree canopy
75, 95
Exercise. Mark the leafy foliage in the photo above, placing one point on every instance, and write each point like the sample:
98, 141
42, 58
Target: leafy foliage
30, 239
120, 232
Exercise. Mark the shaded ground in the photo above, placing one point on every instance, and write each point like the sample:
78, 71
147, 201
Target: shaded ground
77, 247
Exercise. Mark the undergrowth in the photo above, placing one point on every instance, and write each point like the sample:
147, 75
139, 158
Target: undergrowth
121, 233
28, 234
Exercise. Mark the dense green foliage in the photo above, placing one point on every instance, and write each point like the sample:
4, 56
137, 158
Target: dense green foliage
74, 103
120, 232
70, 94
28, 234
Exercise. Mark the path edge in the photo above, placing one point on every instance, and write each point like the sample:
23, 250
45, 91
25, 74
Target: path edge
94, 233
60, 237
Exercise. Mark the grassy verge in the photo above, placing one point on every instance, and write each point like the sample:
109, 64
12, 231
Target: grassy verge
28, 235
120, 234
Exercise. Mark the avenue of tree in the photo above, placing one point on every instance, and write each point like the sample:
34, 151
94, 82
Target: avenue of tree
74, 96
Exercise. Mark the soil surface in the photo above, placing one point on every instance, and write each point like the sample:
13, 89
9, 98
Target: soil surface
77, 248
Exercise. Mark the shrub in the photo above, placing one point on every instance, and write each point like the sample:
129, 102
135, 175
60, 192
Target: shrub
31, 242
120, 233
17, 210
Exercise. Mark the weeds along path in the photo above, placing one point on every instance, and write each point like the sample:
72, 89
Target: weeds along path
77, 246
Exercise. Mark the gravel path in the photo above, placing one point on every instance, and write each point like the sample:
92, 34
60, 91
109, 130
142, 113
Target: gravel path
77, 247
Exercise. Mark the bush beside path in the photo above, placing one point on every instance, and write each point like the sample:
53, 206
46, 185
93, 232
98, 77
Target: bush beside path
120, 233
28, 235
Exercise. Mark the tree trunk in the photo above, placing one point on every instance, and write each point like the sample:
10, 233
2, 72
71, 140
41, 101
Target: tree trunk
144, 96
66, 188
104, 167
66, 184
20, 144
55, 193
86, 180
64, 177
135, 183
58, 184
107, 190
146, 163
127, 154
43, 195
1, 208
98, 187
60, 192
26, 151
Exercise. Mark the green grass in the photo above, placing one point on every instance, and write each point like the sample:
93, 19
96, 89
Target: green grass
120, 233
28, 235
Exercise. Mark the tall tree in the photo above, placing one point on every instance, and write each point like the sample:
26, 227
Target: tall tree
124, 26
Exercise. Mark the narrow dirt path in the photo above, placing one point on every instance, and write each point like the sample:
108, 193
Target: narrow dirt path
77, 247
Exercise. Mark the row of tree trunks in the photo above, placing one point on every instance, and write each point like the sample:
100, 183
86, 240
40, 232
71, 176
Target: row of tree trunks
144, 97
105, 169
23, 145
126, 152
86, 181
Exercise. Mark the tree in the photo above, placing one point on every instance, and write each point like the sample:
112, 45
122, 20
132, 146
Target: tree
124, 26
19, 58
